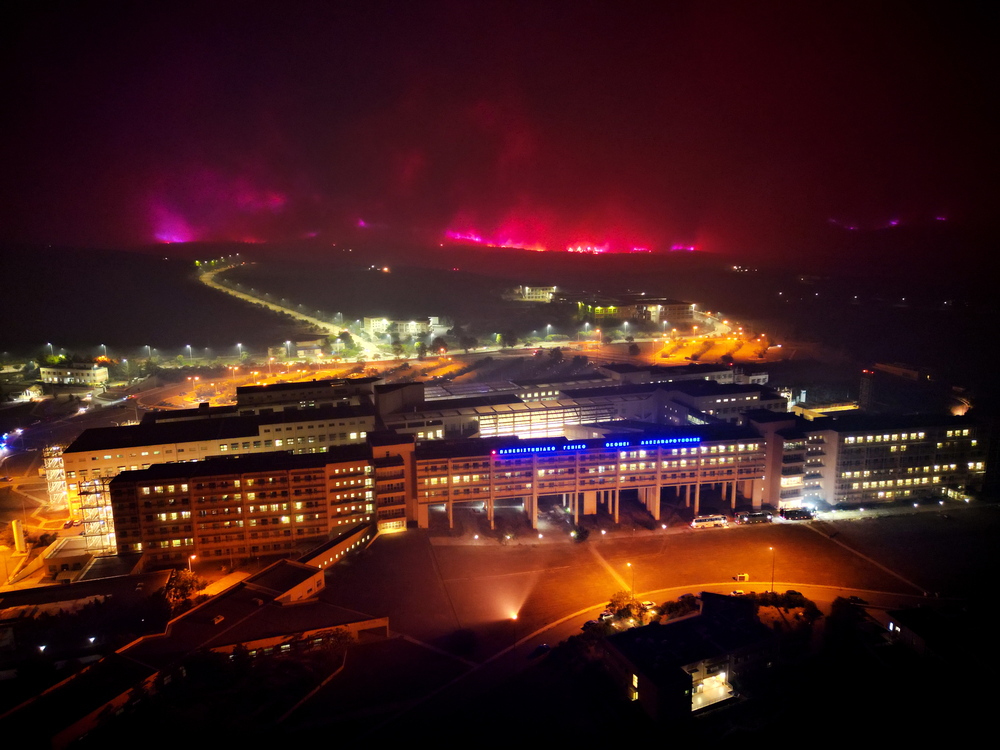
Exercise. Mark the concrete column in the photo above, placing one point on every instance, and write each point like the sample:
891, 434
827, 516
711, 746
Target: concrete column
590, 503
422, 521
615, 498
697, 498
449, 506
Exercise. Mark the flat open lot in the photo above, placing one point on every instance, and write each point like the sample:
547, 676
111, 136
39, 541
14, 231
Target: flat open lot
434, 587
456, 595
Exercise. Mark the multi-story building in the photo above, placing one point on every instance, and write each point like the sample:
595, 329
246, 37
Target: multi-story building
102, 453
858, 459
585, 474
74, 374
595, 442
635, 307
545, 410
627, 373
532, 293
258, 399
257, 505
399, 328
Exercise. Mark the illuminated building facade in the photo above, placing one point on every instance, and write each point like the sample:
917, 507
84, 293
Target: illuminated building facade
98, 455
633, 307
399, 328
585, 474
533, 293
857, 459
255, 505
404, 410
74, 375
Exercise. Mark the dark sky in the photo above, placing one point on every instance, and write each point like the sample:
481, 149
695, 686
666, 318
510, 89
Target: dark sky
744, 127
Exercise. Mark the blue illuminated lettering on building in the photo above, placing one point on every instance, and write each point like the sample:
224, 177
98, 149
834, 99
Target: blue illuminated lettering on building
670, 441
583, 446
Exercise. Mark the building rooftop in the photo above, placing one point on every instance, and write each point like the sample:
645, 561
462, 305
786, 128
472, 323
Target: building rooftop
724, 625
305, 384
280, 577
195, 430
246, 463
859, 422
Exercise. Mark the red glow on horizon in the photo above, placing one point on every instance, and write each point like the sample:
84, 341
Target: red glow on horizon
583, 248
206, 203
170, 227
506, 243
587, 248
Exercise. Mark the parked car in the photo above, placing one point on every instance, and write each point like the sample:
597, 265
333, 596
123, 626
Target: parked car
540, 650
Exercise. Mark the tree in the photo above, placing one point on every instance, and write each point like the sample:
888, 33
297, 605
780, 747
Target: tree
421, 351
620, 600
439, 345
182, 584
508, 340
633, 350
467, 342
556, 354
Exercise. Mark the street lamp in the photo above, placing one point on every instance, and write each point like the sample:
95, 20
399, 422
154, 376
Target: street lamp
239, 350
772, 568
629, 565
189, 351
191, 560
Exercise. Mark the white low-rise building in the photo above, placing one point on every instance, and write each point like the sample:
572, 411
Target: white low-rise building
75, 375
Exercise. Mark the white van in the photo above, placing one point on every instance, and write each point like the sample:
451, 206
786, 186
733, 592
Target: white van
701, 522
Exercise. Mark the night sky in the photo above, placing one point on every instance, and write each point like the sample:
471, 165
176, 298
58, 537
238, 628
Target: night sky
743, 127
